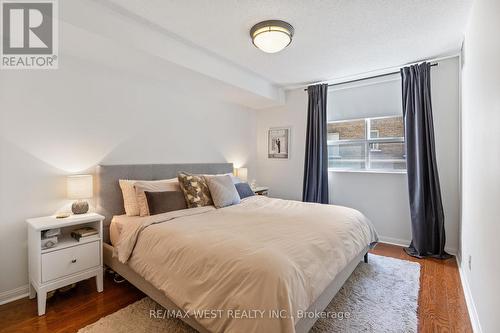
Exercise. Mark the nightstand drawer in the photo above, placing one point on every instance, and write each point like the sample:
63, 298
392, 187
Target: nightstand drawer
70, 260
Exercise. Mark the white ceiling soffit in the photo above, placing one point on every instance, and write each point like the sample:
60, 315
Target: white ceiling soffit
333, 38
101, 54
106, 34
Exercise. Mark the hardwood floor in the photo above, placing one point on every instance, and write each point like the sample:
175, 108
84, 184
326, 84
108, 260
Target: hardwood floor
69, 311
441, 308
441, 301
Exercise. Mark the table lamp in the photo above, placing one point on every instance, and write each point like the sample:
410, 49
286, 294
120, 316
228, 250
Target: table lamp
80, 187
242, 173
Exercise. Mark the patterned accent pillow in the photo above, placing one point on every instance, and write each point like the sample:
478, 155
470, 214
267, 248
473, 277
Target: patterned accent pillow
195, 190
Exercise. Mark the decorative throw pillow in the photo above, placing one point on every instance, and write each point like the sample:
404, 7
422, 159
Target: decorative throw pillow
163, 202
235, 179
152, 186
244, 190
223, 191
129, 198
195, 190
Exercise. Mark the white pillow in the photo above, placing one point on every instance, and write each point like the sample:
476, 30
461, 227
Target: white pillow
152, 186
129, 198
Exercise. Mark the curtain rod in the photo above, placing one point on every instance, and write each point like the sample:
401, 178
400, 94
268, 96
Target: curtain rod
367, 78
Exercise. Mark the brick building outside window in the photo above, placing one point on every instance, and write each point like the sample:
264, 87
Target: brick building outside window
367, 144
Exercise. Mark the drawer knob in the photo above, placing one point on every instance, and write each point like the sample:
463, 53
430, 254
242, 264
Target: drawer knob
73, 261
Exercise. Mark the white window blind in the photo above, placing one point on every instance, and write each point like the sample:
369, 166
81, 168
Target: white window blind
365, 128
370, 98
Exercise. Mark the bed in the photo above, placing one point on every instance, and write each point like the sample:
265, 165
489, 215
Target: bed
277, 260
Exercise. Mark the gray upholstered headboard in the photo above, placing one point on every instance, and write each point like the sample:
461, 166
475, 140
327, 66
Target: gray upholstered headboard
109, 196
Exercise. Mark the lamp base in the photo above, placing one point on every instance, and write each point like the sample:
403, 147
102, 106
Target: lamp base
80, 207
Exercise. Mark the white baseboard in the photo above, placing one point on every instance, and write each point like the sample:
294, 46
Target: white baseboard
14, 294
471, 306
406, 242
394, 241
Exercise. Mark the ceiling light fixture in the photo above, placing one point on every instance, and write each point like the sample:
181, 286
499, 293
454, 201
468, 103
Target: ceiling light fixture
272, 36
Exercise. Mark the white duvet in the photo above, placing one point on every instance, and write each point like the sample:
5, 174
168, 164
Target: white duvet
268, 258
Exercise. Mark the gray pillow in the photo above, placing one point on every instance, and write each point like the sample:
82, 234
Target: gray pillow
163, 202
223, 191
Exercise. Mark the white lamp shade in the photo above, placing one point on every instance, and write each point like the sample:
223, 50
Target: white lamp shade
79, 187
242, 173
272, 41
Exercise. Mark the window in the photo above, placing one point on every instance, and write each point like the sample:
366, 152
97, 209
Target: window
367, 144
334, 151
374, 134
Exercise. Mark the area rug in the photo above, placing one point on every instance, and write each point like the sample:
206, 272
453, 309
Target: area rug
380, 296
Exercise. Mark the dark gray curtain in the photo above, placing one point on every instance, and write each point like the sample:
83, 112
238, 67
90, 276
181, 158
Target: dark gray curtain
426, 208
315, 188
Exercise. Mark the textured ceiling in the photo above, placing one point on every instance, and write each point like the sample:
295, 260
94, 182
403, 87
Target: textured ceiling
333, 38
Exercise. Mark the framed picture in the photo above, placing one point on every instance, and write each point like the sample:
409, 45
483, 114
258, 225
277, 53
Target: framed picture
278, 143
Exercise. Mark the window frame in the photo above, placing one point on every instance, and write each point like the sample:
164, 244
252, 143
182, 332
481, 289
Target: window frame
375, 146
367, 142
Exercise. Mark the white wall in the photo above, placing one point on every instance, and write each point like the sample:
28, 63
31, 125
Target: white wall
480, 161
284, 177
381, 197
67, 120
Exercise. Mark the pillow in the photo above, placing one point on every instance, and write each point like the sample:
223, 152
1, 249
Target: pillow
195, 190
223, 191
244, 190
129, 198
152, 186
163, 202
235, 179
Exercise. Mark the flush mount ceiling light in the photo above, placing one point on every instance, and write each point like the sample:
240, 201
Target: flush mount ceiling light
271, 36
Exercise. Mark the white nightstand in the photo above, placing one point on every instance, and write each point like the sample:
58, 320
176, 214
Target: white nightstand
260, 190
69, 261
